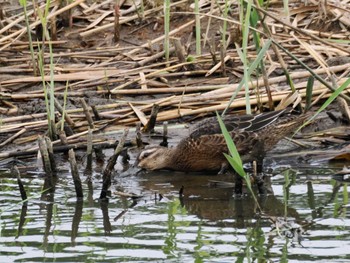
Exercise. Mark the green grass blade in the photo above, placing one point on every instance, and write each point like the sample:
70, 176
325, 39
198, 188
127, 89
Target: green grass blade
166, 29
234, 158
246, 76
224, 25
230, 144
252, 67
308, 69
309, 88
335, 94
236, 165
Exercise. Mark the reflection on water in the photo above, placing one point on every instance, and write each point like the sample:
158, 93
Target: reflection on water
305, 218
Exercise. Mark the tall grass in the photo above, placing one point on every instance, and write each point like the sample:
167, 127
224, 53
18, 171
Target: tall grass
334, 95
198, 28
64, 105
286, 8
254, 21
246, 17
250, 70
244, 58
48, 91
166, 28
23, 3
224, 24
234, 158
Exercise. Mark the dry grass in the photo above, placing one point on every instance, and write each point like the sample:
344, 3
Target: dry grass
124, 79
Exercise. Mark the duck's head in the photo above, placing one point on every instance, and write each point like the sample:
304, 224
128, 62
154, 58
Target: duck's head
154, 158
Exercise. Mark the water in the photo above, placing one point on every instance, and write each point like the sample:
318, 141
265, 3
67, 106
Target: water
208, 224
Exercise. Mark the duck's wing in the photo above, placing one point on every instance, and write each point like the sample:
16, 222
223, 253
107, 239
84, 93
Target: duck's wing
211, 145
250, 123
264, 119
211, 126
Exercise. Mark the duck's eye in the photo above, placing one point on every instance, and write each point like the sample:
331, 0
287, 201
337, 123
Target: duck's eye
146, 154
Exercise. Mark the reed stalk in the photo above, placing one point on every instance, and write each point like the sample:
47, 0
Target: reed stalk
224, 25
23, 3
49, 93
167, 29
248, 72
246, 76
198, 28
64, 106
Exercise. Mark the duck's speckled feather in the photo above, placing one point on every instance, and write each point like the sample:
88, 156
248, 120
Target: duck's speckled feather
251, 123
204, 148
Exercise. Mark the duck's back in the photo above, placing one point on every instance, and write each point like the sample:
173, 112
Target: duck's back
253, 136
249, 123
203, 153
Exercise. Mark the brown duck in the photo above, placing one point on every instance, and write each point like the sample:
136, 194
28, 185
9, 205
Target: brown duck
203, 150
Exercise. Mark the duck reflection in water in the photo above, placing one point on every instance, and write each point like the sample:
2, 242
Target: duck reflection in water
215, 202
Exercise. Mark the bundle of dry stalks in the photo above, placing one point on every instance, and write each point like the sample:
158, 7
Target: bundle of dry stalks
122, 80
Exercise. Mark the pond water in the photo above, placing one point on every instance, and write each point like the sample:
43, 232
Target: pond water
307, 219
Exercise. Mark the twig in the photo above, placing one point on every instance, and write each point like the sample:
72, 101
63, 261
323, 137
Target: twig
111, 162
87, 113
75, 174
149, 127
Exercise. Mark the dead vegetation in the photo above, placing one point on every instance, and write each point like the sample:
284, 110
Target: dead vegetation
122, 80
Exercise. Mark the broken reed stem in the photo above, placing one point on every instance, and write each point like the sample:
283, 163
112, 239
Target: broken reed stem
344, 109
212, 50
13, 137
45, 157
16, 172
267, 88
219, 65
117, 151
139, 142
125, 156
110, 165
61, 111
95, 112
180, 50
222, 59
75, 174
63, 138
87, 113
51, 155
165, 135
153, 58
89, 150
67, 129
149, 127
36, 23
52, 130
63, 148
